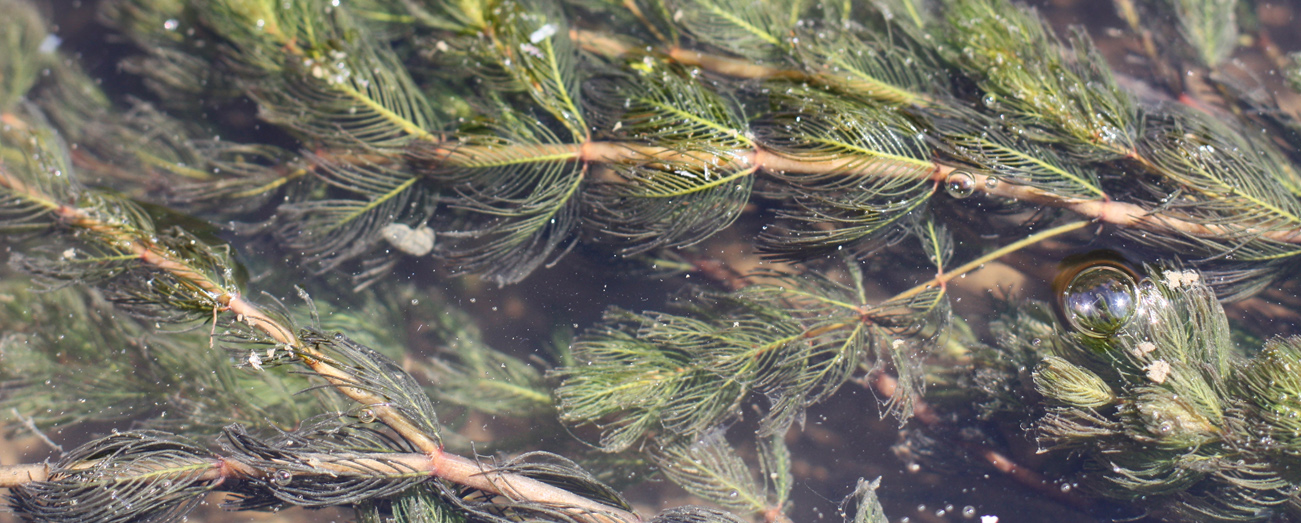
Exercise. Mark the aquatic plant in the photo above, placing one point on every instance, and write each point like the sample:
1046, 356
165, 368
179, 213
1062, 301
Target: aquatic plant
871, 153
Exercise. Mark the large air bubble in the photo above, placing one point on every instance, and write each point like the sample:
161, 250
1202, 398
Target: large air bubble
1100, 300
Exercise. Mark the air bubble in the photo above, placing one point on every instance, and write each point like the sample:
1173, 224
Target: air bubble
960, 184
991, 183
366, 416
1100, 300
282, 477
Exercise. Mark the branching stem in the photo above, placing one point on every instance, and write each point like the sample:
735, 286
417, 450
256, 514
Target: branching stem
1121, 214
447, 466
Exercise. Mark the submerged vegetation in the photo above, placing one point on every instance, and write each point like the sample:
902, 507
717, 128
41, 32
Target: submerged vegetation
246, 253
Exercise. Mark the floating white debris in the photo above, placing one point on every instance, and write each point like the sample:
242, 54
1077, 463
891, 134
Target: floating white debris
543, 33
416, 242
50, 44
254, 361
1144, 348
1176, 279
1158, 371
532, 50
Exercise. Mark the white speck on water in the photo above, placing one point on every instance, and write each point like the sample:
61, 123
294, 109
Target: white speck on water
49, 44
543, 33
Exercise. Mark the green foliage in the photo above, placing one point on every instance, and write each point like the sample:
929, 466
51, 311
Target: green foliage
895, 71
546, 147
24, 33
898, 136
131, 476
710, 468
877, 174
1057, 93
754, 30
794, 341
1169, 408
867, 506
180, 279
1209, 26
60, 338
469, 373
1294, 73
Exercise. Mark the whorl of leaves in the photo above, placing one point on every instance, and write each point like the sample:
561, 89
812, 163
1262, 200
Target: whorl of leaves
794, 341
710, 468
1157, 408
694, 514
378, 374
321, 465
544, 467
128, 477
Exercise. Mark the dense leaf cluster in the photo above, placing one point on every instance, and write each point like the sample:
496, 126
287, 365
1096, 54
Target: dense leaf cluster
492, 138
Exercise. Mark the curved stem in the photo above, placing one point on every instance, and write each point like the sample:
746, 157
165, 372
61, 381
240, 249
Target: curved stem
453, 468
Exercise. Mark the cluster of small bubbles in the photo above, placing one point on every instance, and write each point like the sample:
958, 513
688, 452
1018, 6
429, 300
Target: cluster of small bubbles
960, 184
